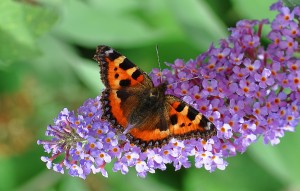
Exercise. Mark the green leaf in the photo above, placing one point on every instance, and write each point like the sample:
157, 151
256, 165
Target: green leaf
199, 23
122, 23
88, 72
255, 9
242, 174
59, 64
11, 78
20, 24
131, 181
291, 3
281, 160
74, 184
53, 66
39, 20
7, 175
42, 181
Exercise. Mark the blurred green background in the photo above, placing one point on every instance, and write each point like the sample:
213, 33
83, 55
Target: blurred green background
46, 50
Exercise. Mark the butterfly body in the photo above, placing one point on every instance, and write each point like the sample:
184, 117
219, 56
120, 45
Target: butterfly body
148, 116
152, 103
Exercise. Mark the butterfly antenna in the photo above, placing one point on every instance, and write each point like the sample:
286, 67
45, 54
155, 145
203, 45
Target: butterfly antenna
158, 63
184, 80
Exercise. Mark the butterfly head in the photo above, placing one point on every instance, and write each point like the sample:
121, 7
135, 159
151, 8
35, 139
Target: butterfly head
157, 93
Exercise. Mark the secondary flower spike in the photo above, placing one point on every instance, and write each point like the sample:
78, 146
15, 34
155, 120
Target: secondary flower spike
239, 90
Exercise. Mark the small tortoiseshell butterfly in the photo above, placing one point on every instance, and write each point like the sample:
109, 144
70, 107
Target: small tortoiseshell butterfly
147, 115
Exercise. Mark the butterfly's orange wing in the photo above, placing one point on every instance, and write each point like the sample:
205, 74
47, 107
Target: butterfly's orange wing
117, 72
186, 122
123, 81
176, 119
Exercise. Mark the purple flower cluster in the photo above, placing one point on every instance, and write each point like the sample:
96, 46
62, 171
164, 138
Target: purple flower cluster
245, 88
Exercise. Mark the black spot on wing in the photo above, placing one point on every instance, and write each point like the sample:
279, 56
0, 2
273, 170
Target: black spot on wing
203, 122
116, 75
123, 95
180, 107
103, 49
126, 64
211, 125
174, 119
192, 113
136, 74
125, 83
112, 55
103, 52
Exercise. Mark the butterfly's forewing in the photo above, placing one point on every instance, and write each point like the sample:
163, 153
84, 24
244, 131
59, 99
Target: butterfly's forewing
123, 81
117, 72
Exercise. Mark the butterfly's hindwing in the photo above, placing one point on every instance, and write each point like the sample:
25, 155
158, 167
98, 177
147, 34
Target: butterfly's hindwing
186, 122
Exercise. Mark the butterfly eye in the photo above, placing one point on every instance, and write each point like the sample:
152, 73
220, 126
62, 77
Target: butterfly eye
153, 94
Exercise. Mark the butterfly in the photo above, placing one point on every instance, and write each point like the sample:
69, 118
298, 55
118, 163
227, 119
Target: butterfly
146, 114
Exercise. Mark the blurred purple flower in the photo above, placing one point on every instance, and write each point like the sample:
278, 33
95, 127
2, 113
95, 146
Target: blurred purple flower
246, 89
